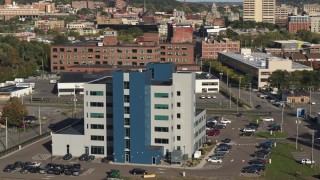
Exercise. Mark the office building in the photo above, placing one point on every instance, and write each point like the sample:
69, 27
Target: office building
259, 65
259, 10
282, 12
296, 23
315, 23
311, 9
209, 49
137, 117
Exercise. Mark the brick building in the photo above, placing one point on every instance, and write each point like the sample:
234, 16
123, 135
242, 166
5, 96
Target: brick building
111, 52
180, 33
49, 24
210, 49
296, 23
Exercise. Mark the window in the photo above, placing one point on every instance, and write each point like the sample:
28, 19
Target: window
161, 106
97, 150
127, 132
161, 141
96, 104
96, 93
178, 104
161, 95
97, 126
178, 93
161, 129
178, 115
127, 110
126, 98
97, 138
126, 85
161, 118
96, 115
178, 138
127, 121
110, 127
178, 126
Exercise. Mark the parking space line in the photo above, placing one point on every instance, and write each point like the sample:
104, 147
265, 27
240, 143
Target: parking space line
55, 158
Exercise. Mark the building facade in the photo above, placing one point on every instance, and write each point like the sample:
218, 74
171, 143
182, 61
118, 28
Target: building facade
259, 10
311, 9
315, 24
259, 65
296, 23
282, 12
210, 49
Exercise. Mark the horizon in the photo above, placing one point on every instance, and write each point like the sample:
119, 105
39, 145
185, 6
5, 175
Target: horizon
211, 0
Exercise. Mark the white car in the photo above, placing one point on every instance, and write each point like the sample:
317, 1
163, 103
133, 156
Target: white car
214, 97
35, 164
208, 96
248, 130
225, 121
215, 160
202, 97
306, 161
313, 103
267, 119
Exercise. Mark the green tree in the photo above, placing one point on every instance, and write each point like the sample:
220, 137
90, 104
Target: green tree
14, 110
60, 40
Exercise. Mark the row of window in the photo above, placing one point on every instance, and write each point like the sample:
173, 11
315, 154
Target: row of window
77, 56
101, 138
99, 115
165, 95
103, 50
176, 47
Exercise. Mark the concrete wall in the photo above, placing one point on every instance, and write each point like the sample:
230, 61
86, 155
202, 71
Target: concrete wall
202, 88
60, 142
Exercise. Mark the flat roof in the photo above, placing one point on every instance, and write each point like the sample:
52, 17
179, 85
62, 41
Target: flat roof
258, 60
161, 83
74, 129
198, 111
103, 80
205, 76
76, 77
11, 89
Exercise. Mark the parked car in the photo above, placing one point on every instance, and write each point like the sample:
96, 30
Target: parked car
209, 97
222, 151
248, 129
76, 166
34, 169
257, 167
107, 159
247, 134
267, 119
259, 155
90, 158
24, 169
30, 118
223, 145
213, 133
258, 106
83, 157
275, 125
9, 168
18, 164
250, 170
263, 151
202, 97
76, 172
42, 170
114, 173
35, 164
50, 170
255, 125
23, 125
306, 161
220, 126
258, 161
239, 115
225, 121
276, 128
58, 171
215, 160
138, 171
67, 156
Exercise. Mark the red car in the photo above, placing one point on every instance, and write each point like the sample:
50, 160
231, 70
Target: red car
23, 125
215, 132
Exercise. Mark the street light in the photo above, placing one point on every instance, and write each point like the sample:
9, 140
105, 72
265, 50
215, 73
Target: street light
184, 166
282, 115
297, 122
239, 95
310, 102
250, 92
312, 145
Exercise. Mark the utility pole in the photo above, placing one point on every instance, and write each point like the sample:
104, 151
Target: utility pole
6, 133
310, 102
297, 122
282, 116
40, 121
230, 95
250, 92
227, 78
184, 166
312, 147
239, 95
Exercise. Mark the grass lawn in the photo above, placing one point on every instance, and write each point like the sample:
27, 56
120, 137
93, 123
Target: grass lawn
284, 166
274, 135
256, 119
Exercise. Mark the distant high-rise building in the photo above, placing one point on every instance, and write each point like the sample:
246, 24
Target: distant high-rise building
259, 10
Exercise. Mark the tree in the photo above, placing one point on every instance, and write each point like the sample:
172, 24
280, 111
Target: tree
14, 110
60, 40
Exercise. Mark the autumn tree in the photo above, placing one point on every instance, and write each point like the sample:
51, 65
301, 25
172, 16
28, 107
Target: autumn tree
14, 110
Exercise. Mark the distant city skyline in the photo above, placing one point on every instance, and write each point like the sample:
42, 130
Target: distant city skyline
212, 0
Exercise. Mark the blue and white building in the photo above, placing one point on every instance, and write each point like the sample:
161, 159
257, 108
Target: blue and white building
140, 116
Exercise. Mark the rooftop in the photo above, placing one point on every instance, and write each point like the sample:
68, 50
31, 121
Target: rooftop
198, 111
258, 60
205, 76
103, 80
162, 83
11, 89
76, 77
74, 129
